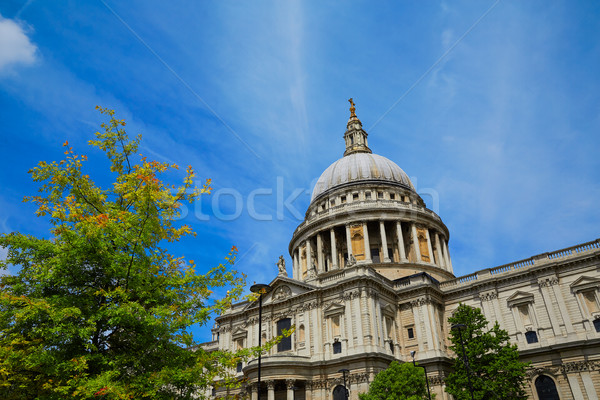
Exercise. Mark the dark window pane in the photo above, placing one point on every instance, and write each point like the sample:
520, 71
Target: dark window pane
531, 337
411, 333
337, 347
239, 367
546, 388
375, 255
286, 342
597, 325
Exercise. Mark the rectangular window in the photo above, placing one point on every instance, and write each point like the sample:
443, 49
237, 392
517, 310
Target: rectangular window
286, 342
239, 367
524, 312
411, 333
337, 347
392, 196
589, 297
355, 196
597, 325
375, 255
335, 325
332, 203
368, 195
531, 337
342, 199
380, 195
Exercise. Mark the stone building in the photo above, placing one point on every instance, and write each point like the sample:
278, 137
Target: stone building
372, 281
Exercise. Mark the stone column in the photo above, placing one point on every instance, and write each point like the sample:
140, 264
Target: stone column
588, 385
415, 240
271, 390
309, 263
386, 255
253, 392
348, 317
334, 256
290, 388
429, 247
297, 273
320, 262
438, 250
401, 251
447, 259
562, 307
544, 289
348, 240
366, 242
308, 390
356, 308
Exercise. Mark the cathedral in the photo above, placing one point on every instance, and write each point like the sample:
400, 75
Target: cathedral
372, 282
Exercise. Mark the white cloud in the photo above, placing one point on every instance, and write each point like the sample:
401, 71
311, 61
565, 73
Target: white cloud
15, 46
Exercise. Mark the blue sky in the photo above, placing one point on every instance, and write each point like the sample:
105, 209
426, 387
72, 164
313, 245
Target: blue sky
491, 107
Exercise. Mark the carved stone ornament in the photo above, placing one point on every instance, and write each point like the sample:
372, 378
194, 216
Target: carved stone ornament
290, 383
548, 281
436, 380
282, 292
488, 296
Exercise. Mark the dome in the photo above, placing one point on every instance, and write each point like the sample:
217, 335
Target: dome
358, 167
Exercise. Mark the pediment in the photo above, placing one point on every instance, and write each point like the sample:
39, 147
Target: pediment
519, 297
333, 308
388, 309
584, 283
283, 288
239, 332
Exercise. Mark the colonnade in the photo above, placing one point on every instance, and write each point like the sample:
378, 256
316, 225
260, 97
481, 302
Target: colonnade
395, 241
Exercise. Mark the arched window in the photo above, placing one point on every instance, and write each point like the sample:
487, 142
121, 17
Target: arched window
546, 388
339, 393
286, 342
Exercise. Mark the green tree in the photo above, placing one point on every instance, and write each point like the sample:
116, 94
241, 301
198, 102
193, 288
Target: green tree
494, 369
101, 309
400, 381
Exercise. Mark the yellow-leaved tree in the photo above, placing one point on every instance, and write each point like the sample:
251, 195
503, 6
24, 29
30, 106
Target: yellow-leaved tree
102, 309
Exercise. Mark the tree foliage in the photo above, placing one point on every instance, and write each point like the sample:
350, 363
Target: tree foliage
101, 309
493, 364
398, 382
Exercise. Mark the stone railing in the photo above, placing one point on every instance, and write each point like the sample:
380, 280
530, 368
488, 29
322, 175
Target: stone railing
529, 262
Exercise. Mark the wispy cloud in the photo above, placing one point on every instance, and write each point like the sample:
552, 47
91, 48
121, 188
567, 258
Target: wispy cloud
15, 46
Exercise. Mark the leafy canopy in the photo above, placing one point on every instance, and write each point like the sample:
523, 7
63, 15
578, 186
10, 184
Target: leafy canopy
102, 309
398, 382
494, 368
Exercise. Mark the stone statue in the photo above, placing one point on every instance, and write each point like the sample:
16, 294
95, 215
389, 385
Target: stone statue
281, 267
351, 261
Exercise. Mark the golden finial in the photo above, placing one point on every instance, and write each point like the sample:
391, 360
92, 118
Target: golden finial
352, 108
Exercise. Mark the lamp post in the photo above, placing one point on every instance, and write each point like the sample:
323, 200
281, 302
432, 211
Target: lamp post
459, 328
412, 354
261, 289
344, 371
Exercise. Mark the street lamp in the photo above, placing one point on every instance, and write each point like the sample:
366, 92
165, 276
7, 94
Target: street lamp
344, 371
459, 328
412, 354
261, 289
